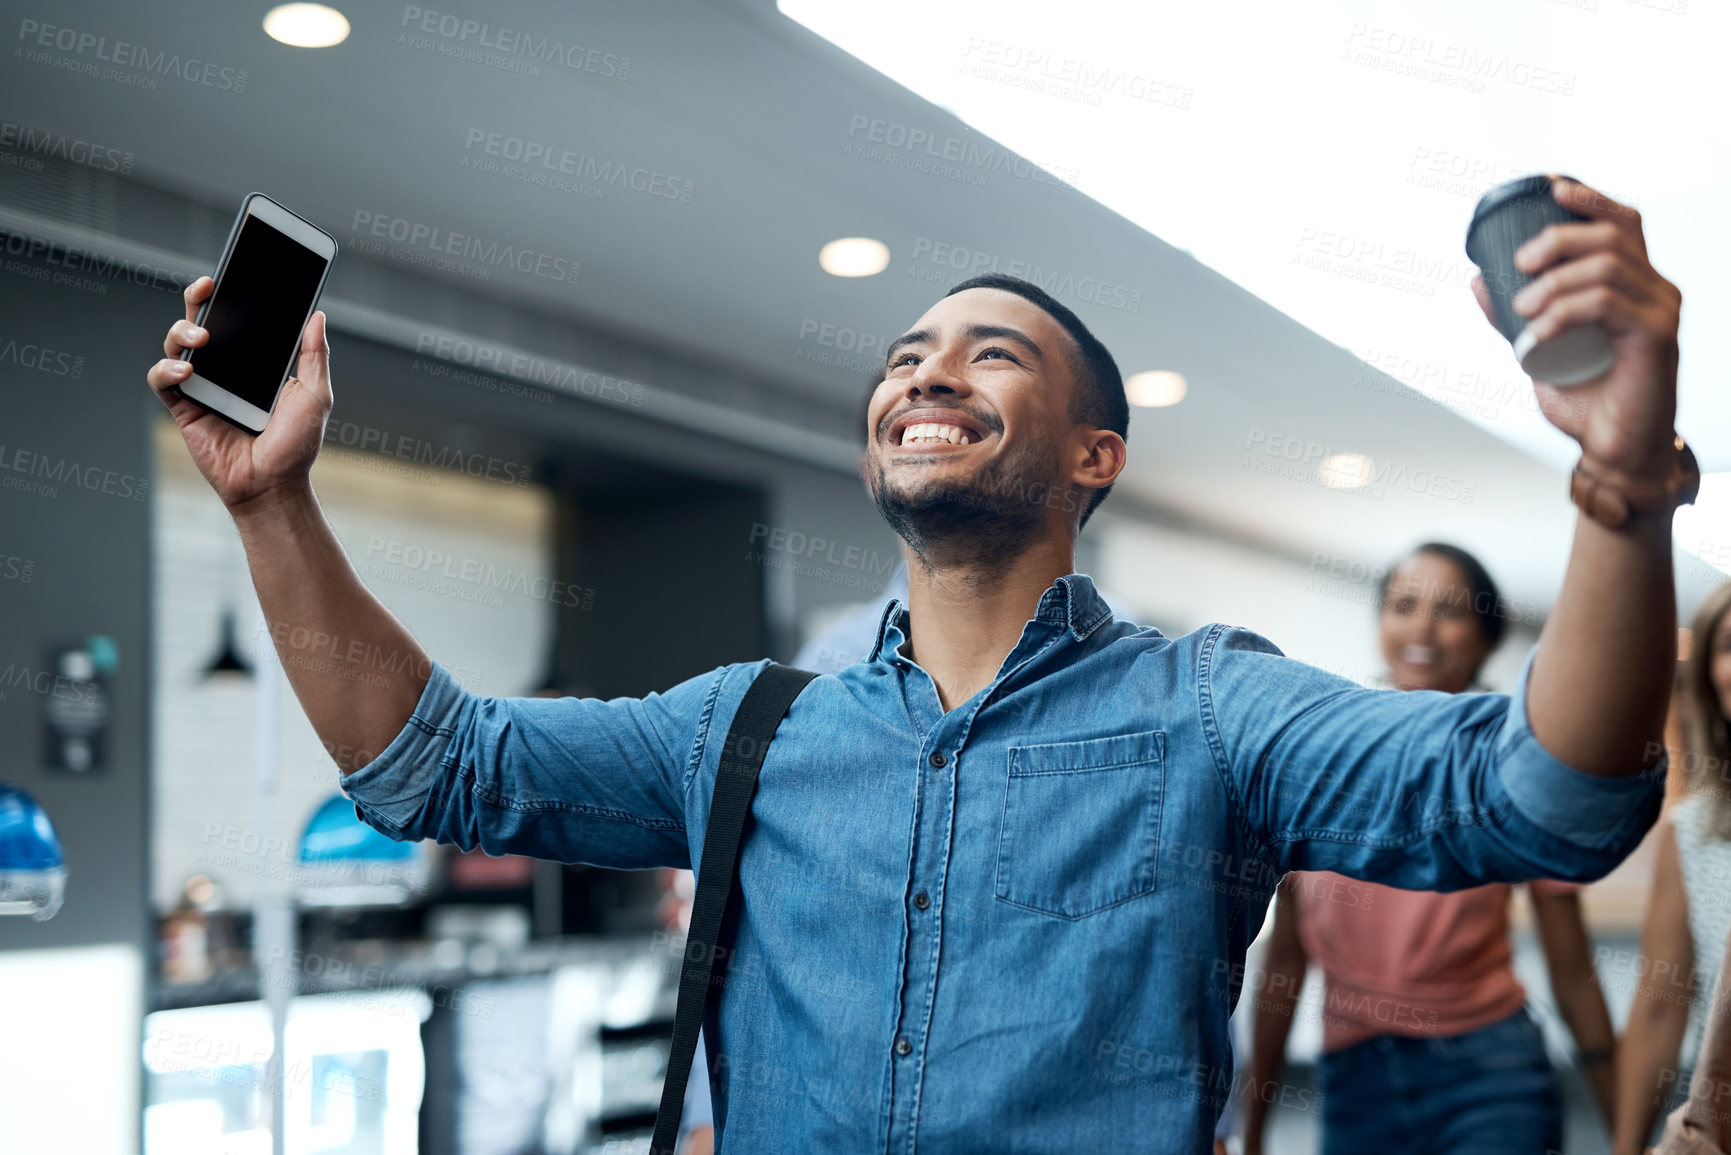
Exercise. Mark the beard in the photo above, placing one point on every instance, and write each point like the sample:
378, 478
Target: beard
985, 521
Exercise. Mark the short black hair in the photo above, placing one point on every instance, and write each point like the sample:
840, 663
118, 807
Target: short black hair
1099, 399
1487, 601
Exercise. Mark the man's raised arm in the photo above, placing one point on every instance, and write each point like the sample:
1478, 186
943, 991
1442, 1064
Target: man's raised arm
1602, 675
357, 671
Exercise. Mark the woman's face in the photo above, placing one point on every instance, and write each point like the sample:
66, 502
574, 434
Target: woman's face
1431, 638
1719, 668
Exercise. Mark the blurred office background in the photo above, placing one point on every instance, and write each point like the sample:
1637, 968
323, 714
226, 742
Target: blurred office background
597, 430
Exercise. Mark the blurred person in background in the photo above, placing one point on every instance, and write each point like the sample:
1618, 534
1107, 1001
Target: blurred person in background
1702, 1125
1427, 1043
1689, 909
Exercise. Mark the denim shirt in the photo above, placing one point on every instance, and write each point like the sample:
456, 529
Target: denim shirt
1019, 924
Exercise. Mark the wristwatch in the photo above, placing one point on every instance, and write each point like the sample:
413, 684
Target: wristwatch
1614, 503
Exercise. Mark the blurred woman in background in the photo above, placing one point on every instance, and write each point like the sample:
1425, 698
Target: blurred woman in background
1689, 910
1427, 1043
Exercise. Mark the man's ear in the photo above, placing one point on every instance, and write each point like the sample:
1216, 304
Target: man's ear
1105, 458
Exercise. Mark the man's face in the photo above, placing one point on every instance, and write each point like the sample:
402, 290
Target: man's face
970, 433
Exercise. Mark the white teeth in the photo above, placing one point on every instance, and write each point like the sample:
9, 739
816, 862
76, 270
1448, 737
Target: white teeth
936, 431
1420, 655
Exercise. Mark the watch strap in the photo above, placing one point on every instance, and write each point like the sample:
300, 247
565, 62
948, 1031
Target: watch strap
1613, 501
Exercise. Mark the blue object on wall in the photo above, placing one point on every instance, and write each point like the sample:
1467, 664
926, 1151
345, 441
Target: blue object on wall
32, 867
345, 862
334, 834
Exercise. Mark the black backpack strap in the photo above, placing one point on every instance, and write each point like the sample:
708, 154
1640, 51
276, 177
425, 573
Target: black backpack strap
754, 723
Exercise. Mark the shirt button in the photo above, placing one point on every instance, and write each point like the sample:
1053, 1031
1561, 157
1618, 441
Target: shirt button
903, 1047
938, 759
922, 900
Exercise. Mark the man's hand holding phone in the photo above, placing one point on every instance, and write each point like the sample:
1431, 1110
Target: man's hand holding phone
243, 467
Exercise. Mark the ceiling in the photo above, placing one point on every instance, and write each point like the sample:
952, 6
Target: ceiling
770, 131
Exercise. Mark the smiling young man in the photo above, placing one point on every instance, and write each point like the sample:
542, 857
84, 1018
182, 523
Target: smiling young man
1003, 872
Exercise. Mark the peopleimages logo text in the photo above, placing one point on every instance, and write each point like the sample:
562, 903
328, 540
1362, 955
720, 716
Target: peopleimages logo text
38, 35
61, 471
41, 142
542, 157
417, 235
983, 156
42, 359
406, 448
1061, 284
515, 42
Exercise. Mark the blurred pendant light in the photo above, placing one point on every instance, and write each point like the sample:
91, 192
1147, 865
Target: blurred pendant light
345, 862
32, 868
228, 665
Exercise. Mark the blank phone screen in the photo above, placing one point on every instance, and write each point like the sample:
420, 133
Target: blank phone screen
256, 317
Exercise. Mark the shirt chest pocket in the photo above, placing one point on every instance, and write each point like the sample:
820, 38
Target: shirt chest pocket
1081, 824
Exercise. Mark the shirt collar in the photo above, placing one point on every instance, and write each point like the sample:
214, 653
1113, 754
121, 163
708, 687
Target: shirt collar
1071, 603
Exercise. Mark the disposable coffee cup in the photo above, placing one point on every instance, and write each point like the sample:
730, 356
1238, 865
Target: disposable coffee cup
1506, 218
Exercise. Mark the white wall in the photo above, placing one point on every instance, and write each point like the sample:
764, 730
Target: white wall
384, 511
1179, 581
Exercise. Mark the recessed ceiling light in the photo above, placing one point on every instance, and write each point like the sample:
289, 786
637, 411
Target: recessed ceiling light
306, 25
1346, 470
854, 257
1155, 388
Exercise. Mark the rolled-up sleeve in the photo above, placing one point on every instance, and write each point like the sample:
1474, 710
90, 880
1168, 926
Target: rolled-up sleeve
1583, 808
570, 779
1416, 789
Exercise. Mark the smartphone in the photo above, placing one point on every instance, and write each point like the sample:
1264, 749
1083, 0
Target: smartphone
267, 285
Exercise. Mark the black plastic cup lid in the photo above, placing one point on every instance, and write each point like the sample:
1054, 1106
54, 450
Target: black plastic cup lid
1519, 189
1537, 185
